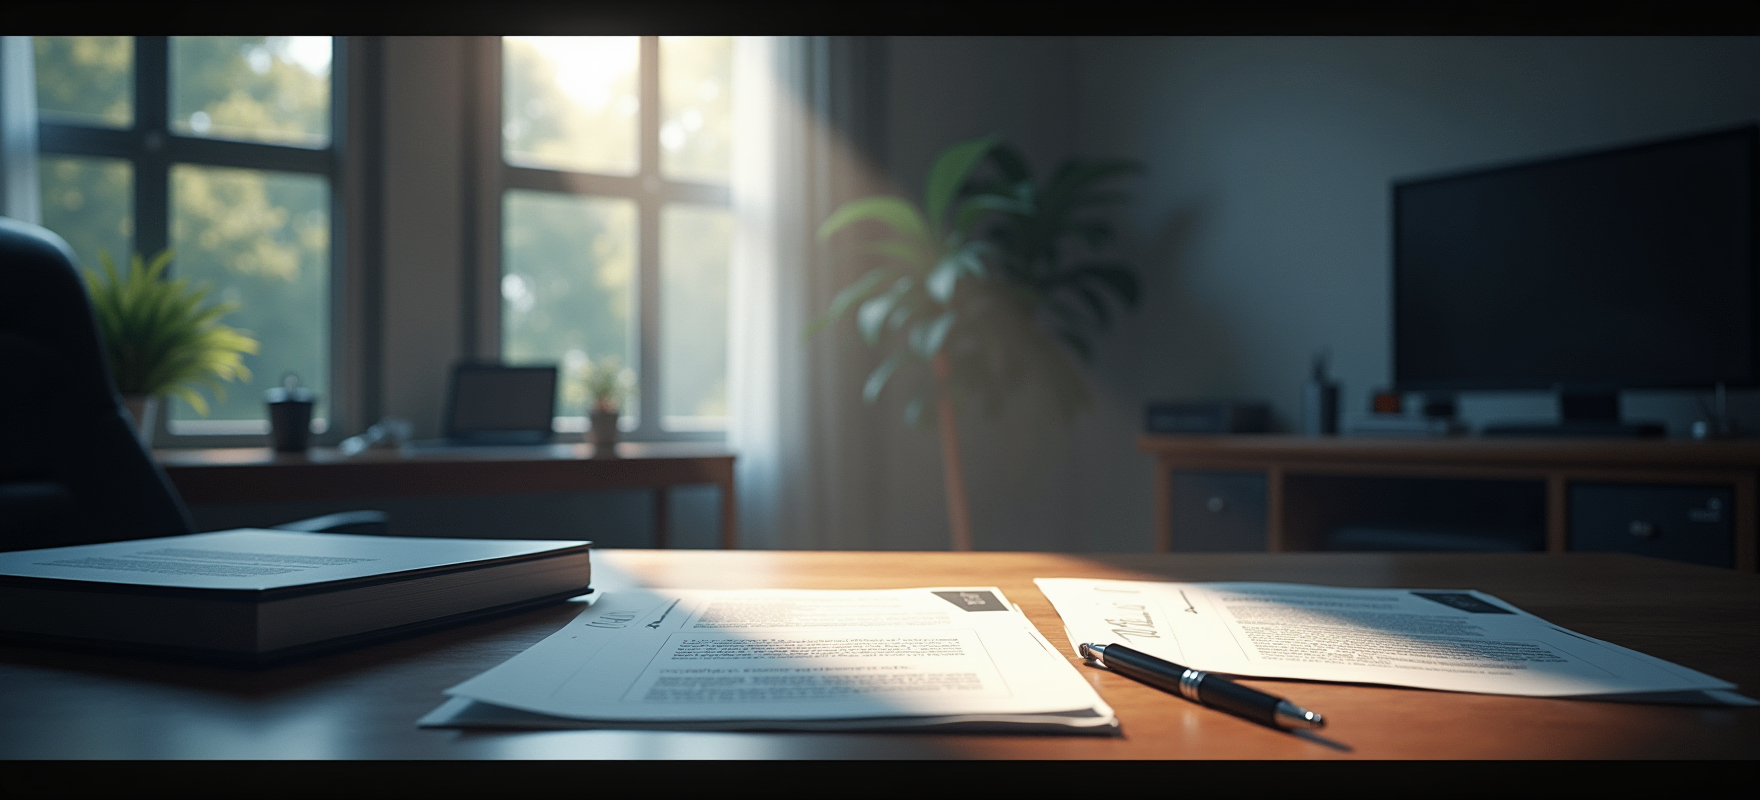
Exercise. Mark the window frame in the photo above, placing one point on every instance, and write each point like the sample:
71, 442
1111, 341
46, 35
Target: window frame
648, 188
152, 148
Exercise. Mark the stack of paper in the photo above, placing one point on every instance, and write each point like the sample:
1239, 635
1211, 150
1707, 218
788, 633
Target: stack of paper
959, 658
1453, 640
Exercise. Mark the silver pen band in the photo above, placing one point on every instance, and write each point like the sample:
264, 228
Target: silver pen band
1188, 683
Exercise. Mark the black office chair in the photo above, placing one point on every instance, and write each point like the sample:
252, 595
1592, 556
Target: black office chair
72, 469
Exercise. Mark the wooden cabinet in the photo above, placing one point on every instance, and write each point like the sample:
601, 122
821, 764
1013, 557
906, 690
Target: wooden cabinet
1685, 523
1686, 500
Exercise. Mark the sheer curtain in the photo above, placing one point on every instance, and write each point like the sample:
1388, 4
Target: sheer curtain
18, 130
807, 119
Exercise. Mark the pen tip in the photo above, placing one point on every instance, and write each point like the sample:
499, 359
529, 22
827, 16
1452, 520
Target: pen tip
1290, 715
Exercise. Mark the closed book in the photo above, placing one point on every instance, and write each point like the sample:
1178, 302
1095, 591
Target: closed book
255, 596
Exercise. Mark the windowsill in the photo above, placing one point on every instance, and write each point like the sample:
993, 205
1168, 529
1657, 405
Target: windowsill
232, 427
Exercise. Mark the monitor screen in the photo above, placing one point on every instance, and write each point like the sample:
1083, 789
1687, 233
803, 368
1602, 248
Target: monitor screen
494, 399
1627, 268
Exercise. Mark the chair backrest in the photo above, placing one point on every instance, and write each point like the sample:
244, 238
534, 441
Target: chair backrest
72, 469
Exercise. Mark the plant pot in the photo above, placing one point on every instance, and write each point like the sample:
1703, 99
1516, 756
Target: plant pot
143, 411
603, 433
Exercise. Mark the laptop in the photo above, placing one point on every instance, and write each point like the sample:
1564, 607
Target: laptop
498, 406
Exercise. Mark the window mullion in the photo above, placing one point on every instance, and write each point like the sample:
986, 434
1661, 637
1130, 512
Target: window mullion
152, 171
648, 243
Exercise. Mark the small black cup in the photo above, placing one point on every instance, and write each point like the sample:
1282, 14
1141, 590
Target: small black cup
290, 415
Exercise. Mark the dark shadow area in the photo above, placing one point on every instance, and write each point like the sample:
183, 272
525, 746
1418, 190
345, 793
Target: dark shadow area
1374, 514
510, 633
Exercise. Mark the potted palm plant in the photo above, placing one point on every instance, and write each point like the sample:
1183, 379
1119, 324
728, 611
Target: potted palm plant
162, 337
974, 291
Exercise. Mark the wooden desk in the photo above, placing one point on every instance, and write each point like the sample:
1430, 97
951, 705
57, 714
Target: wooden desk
364, 703
258, 474
1557, 463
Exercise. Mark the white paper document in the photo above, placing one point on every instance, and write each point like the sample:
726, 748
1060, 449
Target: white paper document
1452, 640
952, 657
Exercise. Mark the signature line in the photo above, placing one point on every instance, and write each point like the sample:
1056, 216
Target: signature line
656, 623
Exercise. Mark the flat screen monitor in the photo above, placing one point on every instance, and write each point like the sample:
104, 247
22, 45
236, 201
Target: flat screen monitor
497, 404
1626, 268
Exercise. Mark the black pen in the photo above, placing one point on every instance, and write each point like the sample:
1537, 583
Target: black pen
1202, 687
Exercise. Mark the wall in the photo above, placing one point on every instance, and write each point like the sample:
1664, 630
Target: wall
1263, 223
1264, 226
423, 275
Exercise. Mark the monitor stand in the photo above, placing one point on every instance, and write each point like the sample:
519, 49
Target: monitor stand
1583, 415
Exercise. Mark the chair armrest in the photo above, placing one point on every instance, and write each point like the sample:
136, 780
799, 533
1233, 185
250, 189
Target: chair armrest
368, 522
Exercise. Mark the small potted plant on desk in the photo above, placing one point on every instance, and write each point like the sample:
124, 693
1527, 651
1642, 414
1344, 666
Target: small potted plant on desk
609, 387
162, 337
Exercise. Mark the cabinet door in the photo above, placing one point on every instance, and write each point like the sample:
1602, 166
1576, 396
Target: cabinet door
1218, 511
1685, 523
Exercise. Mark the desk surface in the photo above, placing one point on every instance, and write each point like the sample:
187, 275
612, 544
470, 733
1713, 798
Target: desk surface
364, 703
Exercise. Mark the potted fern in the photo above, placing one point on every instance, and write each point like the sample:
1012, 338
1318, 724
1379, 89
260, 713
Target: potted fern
162, 337
994, 279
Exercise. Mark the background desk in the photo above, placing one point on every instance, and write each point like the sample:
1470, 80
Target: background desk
258, 474
363, 703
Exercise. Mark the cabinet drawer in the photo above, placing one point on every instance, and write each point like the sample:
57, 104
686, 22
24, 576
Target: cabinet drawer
1218, 511
1685, 523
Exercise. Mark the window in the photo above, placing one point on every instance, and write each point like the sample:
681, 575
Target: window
615, 230
222, 149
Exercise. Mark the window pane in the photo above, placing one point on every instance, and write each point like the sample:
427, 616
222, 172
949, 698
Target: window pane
571, 102
694, 246
90, 202
696, 109
262, 240
568, 285
86, 80
252, 88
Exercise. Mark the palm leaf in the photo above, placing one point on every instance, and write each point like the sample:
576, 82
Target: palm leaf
1076, 174
926, 338
871, 316
912, 253
850, 295
948, 174
877, 379
913, 411
973, 208
895, 212
1122, 280
1011, 165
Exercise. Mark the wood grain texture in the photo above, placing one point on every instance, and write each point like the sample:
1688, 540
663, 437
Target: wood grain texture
363, 703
